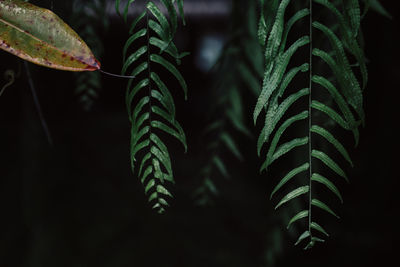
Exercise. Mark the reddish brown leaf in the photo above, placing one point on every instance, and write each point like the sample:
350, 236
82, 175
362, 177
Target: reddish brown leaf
40, 36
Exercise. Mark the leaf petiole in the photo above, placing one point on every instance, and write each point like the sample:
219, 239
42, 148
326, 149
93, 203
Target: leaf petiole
116, 75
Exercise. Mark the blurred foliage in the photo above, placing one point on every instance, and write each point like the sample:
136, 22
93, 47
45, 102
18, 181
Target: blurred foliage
90, 21
237, 73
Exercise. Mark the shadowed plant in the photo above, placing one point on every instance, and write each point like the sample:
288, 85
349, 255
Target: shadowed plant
150, 105
327, 47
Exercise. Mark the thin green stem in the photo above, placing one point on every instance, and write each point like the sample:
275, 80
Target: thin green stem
148, 66
310, 120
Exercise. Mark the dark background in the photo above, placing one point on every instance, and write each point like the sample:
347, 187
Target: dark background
77, 204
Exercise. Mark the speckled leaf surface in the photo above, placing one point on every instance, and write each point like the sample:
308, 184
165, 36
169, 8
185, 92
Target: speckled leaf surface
40, 36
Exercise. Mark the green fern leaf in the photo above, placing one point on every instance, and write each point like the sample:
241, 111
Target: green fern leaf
133, 58
350, 86
331, 139
321, 179
278, 134
317, 227
303, 236
275, 113
349, 35
161, 19
238, 70
302, 214
136, 21
275, 36
152, 115
335, 117
178, 135
181, 12
293, 194
131, 94
156, 27
171, 68
321, 205
268, 8
343, 90
289, 176
271, 83
220, 166
132, 38
329, 162
295, 18
354, 13
231, 145
377, 6
288, 146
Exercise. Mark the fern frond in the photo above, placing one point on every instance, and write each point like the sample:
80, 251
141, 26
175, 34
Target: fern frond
279, 94
377, 7
237, 74
149, 102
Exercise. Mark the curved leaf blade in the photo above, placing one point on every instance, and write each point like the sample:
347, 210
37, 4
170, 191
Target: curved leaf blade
321, 179
270, 83
171, 68
293, 194
38, 35
289, 176
289, 146
329, 162
321, 205
302, 237
275, 113
302, 214
301, 116
331, 139
319, 228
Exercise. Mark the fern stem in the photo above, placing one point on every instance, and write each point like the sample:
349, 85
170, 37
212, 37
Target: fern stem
310, 120
148, 67
116, 75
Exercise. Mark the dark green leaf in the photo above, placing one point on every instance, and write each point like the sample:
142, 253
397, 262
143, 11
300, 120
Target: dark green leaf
321, 205
289, 176
321, 179
302, 214
160, 60
329, 162
293, 194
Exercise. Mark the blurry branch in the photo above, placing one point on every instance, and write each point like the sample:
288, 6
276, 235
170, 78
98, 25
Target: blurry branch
37, 104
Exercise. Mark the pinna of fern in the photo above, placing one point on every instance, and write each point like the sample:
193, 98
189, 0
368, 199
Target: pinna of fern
276, 101
150, 105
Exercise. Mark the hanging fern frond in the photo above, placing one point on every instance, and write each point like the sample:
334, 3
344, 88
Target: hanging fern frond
150, 105
237, 73
343, 90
